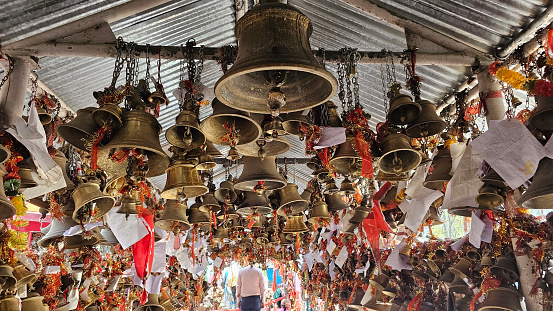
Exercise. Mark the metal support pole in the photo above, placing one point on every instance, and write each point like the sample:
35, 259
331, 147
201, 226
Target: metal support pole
527, 280
12, 94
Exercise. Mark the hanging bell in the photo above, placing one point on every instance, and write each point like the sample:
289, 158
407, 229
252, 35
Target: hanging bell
25, 173
57, 229
254, 203
262, 148
236, 223
360, 213
10, 303
319, 211
294, 122
295, 224
330, 186
108, 114
216, 126
128, 203
186, 132
306, 194
460, 287
461, 268
397, 155
225, 193
33, 302
212, 150
357, 297
424, 156
233, 154
501, 298
540, 193
428, 122
259, 171
335, 202
151, 305
434, 216
505, 268
174, 217
541, 118
403, 110
221, 234
7, 280
183, 181
291, 203
5, 154
440, 175
61, 161
257, 221
205, 162
210, 204
79, 130
23, 276
465, 211
347, 187
79, 240
140, 131
272, 126
282, 62
157, 97
382, 176
7, 209
346, 161
492, 178
262, 239
90, 202
230, 213
333, 115
44, 116
489, 197
195, 216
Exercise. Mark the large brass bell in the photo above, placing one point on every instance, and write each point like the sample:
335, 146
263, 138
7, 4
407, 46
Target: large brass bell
33, 302
44, 116
295, 224
173, 217
293, 123
402, 109
61, 161
140, 131
90, 202
186, 133
382, 176
129, 202
57, 228
254, 203
215, 127
195, 216
7, 209
183, 181
7, 278
319, 211
291, 202
440, 175
397, 155
225, 193
23, 276
79, 240
505, 268
428, 122
335, 202
346, 160
151, 305
261, 172
210, 204
221, 234
275, 56
262, 148
108, 114
79, 130
10, 303
541, 118
361, 212
540, 193
501, 298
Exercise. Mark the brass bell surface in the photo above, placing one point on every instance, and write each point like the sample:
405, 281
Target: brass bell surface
114, 185
461, 268
90, 202
492, 178
233, 154
382, 176
140, 131
23, 276
293, 122
335, 202
212, 150
25, 173
7, 278
57, 228
205, 162
186, 132
347, 187
345, 160
403, 110
284, 49
397, 155
330, 186
151, 305
195, 216
210, 204
214, 126
460, 287
333, 115
257, 170
434, 216
157, 98
79, 240
262, 239
306, 194
78, 130
272, 126
5, 154
254, 202
108, 114
273, 147
541, 118
540, 193
359, 214
489, 197
226, 192
174, 215
295, 224
291, 202
44, 116
61, 161
128, 204
183, 181
33, 303
465, 211
440, 175
501, 298
229, 214
10, 303
428, 122
505, 268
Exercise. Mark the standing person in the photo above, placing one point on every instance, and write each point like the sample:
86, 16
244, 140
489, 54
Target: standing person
250, 289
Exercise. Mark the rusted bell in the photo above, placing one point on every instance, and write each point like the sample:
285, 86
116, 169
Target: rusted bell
440, 174
195, 216
210, 204
382, 176
540, 193
502, 298
461, 268
215, 127
151, 305
347, 187
489, 197
44, 116
541, 118
259, 171
174, 217
108, 114
290, 201
79, 240
465, 211
61, 161
57, 228
128, 203
281, 63
428, 123
345, 160
295, 224
403, 110
335, 202
23, 276
5, 154
25, 172
262, 148
225, 193
254, 203
79, 130
330, 186
293, 123
397, 155
183, 181
90, 202
140, 131
505, 268
186, 132
319, 211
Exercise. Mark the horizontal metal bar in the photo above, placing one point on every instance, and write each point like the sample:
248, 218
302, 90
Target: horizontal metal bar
226, 162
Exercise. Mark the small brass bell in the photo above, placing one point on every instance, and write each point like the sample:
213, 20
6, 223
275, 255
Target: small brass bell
461, 268
221, 234
228, 214
90, 202
293, 123
61, 161
262, 148
195, 216
108, 114
183, 181
319, 211
79, 130
489, 197
79, 240
174, 217
186, 133
5, 154
335, 202
505, 268
225, 193
382, 176
6, 278
272, 126
157, 98
403, 110
205, 162
259, 171
254, 202
397, 155
361, 212
434, 216
440, 175
347, 187
128, 204
541, 118
306, 194
465, 211
330, 186
215, 126
57, 229
346, 160
210, 204
333, 115
233, 154
540, 193
428, 122
295, 224
23, 276
262, 239
291, 202
25, 173
151, 305
44, 116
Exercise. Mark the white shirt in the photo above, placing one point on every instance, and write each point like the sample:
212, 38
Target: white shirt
250, 282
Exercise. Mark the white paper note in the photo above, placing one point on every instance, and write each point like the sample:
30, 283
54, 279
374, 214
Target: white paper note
419, 206
367, 297
73, 299
415, 185
52, 269
331, 136
217, 262
331, 271
342, 257
488, 230
476, 229
457, 150
317, 256
160, 261
459, 243
127, 231
113, 284
309, 261
330, 247
395, 261
153, 284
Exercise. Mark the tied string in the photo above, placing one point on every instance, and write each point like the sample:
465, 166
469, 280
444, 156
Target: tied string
312, 136
324, 155
487, 284
192, 248
96, 138
298, 244
123, 154
230, 136
415, 304
251, 219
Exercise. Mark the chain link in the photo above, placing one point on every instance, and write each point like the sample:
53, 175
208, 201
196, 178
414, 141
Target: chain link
190, 57
324, 114
147, 76
119, 61
199, 67
182, 66
384, 87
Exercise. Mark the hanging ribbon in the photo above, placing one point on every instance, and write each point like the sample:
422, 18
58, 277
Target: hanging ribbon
415, 304
363, 149
143, 254
373, 237
377, 211
96, 139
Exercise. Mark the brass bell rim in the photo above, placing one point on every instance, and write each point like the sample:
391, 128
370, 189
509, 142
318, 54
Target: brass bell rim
221, 194
210, 208
399, 152
5, 154
489, 200
167, 224
268, 183
294, 126
247, 210
79, 240
401, 100
214, 121
274, 147
228, 216
188, 191
7, 209
44, 116
541, 119
416, 130
110, 110
465, 211
508, 293
437, 184
295, 207
206, 166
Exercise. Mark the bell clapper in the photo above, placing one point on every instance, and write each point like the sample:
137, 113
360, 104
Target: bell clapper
262, 152
187, 139
397, 164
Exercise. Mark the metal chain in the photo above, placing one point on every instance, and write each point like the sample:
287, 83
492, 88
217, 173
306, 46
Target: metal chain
190, 57
341, 78
355, 79
393, 67
199, 67
182, 66
384, 87
323, 57
119, 61
147, 76
324, 114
